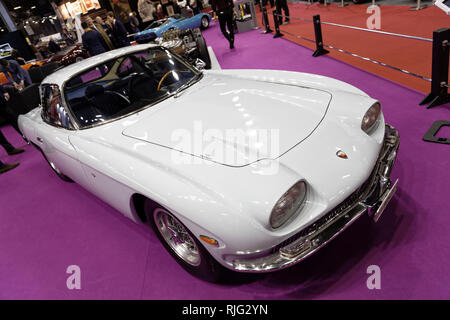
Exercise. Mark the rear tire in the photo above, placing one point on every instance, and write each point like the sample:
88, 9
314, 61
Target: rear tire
203, 52
182, 245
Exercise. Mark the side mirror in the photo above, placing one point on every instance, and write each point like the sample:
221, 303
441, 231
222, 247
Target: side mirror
199, 64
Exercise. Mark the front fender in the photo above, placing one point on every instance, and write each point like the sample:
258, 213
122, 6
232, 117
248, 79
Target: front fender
231, 205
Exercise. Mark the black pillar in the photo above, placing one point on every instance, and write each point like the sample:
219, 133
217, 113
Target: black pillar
319, 42
439, 69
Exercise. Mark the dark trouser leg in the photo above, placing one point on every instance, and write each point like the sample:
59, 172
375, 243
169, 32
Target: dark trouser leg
7, 108
229, 19
223, 22
278, 10
5, 143
10, 118
286, 9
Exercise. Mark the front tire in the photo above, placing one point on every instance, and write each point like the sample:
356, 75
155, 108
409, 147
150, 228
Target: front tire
204, 23
182, 244
203, 52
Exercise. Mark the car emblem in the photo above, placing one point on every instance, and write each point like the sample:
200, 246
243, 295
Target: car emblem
341, 154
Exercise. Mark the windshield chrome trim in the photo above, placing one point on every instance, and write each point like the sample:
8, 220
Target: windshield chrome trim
72, 120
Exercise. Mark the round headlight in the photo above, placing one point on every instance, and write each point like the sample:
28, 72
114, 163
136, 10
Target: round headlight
288, 204
369, 120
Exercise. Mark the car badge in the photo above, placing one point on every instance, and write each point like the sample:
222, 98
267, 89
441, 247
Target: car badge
341, 154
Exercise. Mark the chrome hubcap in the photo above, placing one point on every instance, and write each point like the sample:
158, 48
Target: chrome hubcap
177, 237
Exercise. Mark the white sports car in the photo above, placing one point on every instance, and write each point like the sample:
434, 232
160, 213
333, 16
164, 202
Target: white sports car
251, 170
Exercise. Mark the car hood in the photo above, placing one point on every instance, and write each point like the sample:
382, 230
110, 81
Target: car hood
234, 121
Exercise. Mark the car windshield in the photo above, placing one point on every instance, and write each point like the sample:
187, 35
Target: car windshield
157, 24
125, 85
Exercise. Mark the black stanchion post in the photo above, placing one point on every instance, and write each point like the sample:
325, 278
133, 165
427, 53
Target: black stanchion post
319, 42
277, 26
439, 69
266, 21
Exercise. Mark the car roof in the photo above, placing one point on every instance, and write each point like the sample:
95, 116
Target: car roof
61, 75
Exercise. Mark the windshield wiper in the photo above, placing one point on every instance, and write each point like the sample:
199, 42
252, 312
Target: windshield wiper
186, 85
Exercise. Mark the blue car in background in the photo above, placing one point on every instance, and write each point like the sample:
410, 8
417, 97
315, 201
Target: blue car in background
156, 29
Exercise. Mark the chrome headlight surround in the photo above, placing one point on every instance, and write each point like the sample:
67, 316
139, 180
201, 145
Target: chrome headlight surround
371, 118
289, 203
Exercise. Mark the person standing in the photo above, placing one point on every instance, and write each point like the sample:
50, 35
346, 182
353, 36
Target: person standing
15, 55
53, 46
146, 10
194, 6
119, 31
99, 26
20, 77
159, 12
92, 40
282, 4
5, 112
134, 22
224, 10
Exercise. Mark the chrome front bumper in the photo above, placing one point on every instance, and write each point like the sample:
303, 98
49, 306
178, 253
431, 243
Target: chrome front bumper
371, 197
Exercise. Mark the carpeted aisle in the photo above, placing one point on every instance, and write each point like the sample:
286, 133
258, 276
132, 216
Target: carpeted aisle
47, 225
407, 54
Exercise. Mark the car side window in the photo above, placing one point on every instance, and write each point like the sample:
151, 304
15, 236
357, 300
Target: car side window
53, 111
126, 66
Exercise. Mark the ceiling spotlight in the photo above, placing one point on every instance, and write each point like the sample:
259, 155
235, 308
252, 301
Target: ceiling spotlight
17, 8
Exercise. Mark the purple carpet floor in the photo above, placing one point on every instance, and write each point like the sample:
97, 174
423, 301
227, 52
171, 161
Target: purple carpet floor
47, 225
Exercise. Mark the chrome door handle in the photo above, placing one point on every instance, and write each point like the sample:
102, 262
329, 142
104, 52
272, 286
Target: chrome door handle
40, 139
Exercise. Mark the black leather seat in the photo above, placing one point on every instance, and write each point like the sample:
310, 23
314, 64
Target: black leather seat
108, 103
142, 87
85, 113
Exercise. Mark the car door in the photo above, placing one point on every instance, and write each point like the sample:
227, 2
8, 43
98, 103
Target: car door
53, 133
183, 23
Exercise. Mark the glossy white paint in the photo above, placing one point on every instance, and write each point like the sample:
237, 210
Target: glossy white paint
223, 102
230, 202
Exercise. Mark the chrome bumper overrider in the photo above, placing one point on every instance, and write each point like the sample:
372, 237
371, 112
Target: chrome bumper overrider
371, 197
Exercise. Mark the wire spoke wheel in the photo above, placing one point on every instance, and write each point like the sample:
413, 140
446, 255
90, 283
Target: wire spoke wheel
177, 237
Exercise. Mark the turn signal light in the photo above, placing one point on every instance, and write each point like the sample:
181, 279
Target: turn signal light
209, 240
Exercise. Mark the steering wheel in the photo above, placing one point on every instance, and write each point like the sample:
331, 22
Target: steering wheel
164, 78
